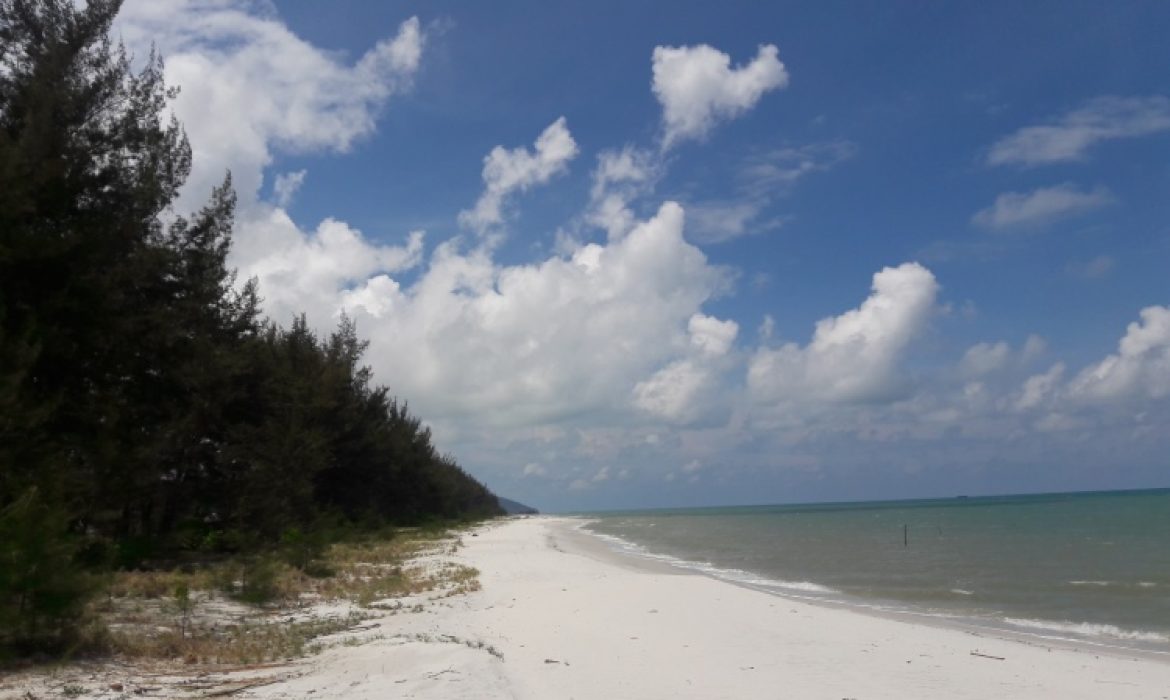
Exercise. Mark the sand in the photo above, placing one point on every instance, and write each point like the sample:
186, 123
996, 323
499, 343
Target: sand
562, 616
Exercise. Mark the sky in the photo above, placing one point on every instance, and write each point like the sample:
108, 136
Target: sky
623, 255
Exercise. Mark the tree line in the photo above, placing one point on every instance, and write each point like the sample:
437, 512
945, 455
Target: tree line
147, 408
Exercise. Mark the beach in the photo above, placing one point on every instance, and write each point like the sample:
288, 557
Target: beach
560, 615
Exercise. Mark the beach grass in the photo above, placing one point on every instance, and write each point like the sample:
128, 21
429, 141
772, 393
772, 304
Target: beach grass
250, 609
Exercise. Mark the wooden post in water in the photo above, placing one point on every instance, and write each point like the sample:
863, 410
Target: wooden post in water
905, 536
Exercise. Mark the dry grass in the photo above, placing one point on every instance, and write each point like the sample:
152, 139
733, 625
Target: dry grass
246, 643
202, 616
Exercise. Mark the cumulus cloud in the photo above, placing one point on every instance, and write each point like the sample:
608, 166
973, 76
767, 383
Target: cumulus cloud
250, 86
697, 87
1040, 388
621, 176
853, 357
710, 335
1140, 369
672, 392
1019, 210
1125, 390
533, 344
679, 392
1069, 137
519, 169
320, 272
252, 89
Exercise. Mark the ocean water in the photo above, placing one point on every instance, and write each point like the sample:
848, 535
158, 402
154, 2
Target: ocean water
1088, 567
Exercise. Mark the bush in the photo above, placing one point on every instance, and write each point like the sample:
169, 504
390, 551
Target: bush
260, 581
42, 589
303, 550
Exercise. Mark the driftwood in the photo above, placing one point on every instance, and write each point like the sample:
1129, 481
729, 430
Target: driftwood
239, 689
988, 656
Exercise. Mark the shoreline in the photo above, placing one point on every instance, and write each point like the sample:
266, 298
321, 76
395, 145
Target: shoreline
842, 601
560, 614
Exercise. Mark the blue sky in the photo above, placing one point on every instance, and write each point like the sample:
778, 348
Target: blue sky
638, 254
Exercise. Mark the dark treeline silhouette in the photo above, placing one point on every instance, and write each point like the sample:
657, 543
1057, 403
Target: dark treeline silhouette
146, 407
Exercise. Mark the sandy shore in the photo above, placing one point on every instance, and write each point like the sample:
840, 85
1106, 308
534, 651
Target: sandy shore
561, 616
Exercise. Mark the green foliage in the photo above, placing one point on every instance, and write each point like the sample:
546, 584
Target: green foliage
259, 581
306, 550
42, 591
138, 383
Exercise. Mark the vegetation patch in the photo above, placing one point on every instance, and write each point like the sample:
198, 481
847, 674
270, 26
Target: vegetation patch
248, 610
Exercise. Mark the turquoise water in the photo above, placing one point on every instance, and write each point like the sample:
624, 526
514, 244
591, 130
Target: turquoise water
1087, 566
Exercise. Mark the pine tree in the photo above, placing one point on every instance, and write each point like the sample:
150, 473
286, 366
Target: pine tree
145, 407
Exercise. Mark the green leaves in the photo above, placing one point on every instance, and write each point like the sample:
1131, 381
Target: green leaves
42, 590
143, 401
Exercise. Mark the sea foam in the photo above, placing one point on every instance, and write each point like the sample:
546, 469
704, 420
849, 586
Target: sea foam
1087, 629
727, 574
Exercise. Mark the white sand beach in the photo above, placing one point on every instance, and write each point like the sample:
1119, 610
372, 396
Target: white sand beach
561, 616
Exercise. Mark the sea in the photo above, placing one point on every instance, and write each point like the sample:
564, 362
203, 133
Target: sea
1090, 568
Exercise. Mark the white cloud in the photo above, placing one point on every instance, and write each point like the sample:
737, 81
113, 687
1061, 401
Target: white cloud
320, 272
603, 352
697, 87
476, 342
507, 171
1069, 137
628, 165
710, 335
250, 86
672, 392
853, 357
286, 185
679, 392
250, 89
1138, 373
1039, 389
620, 177
983, 359
1015, 210
1140, 369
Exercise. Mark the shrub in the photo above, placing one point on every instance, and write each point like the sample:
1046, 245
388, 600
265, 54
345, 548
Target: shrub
42, 589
